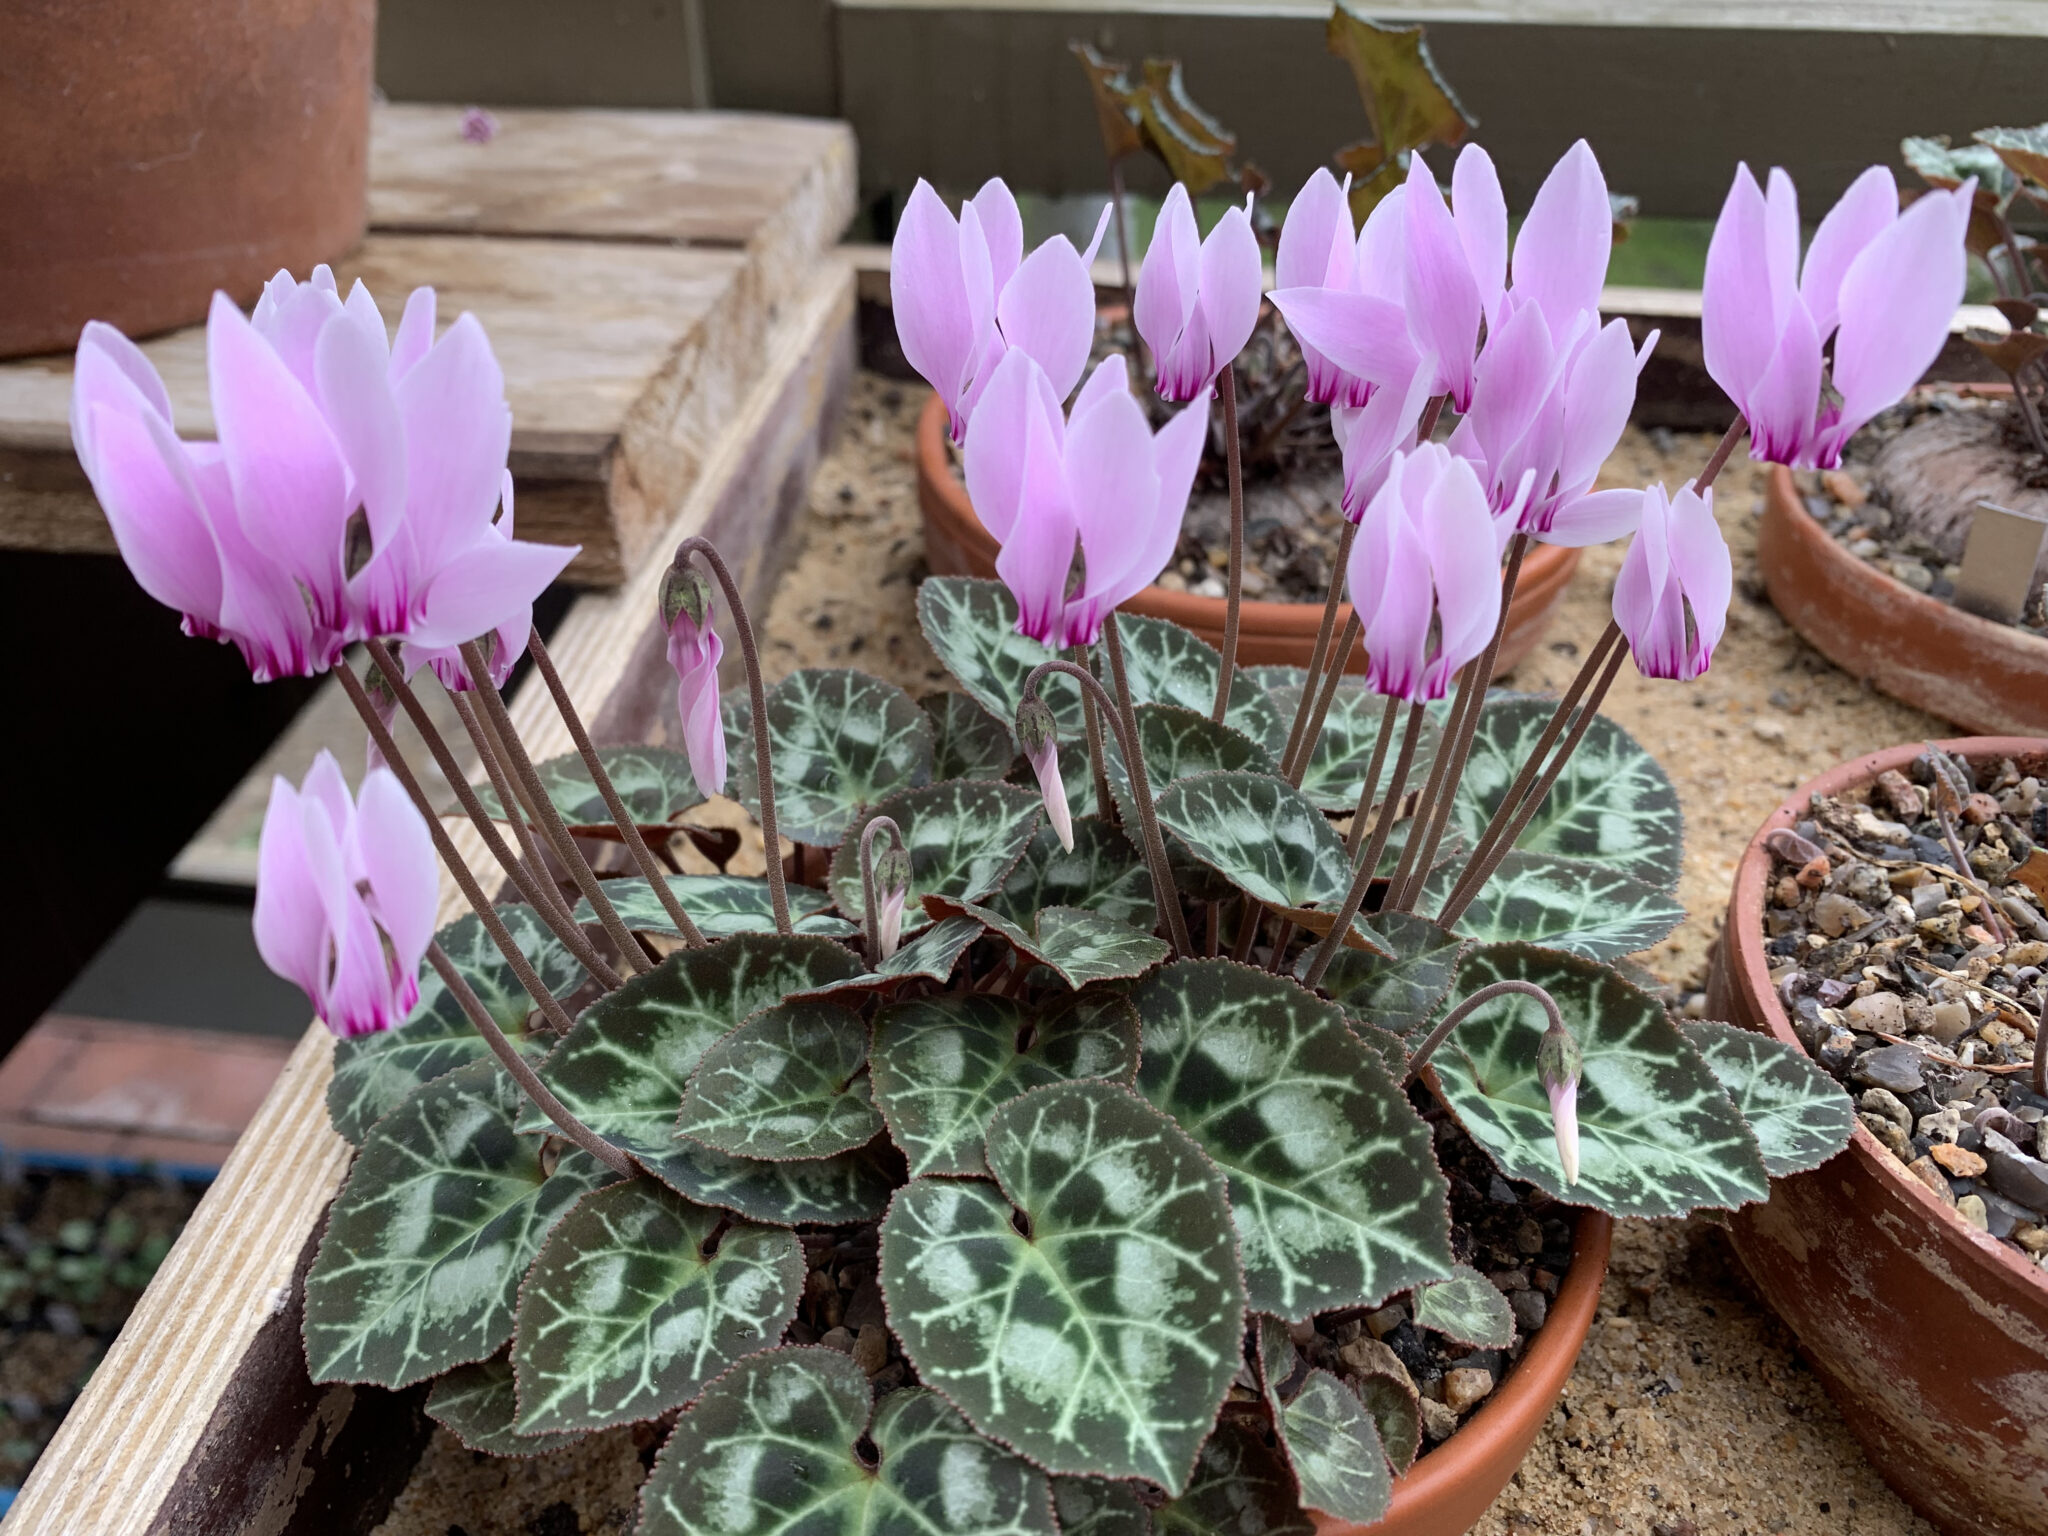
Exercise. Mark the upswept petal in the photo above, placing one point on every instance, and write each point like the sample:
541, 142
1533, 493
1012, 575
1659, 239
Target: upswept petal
1457, 529
458, 433
1390, 584
999, 437
1648, 607
1863, 213
928, 293
1781, 242
290, 317
1370, 436
1002, 230
1783, 405
1482, 217
1231, 277
1038, 554
1443, 300
396, 853
1737, 330
473, 593
353, 373
146, 491
289, 922
1704, 570
1599, 393
1382, 239
694, 653
1111, 378
1594, 518
1176, 455
1514, 377
1363, 334
1316, 241
415, 333
1561, 253
1169, 276
1088, 252
262, 609
1048, 310
112, 370
1113, 486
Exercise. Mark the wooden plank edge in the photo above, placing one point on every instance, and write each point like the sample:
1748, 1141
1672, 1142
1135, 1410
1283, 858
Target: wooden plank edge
196, 1401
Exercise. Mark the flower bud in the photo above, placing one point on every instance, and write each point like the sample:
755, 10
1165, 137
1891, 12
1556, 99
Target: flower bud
1558, 1064
684, 590
892, 886
1039, 736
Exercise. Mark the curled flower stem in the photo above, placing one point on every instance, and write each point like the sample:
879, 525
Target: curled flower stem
629, 829
1163, 890
757, 695
1464, 1010
1332, 600
523, 1074
869, 895
472, 892
1233, 453
550, 819
1305, 752
1362, 875
1098, 769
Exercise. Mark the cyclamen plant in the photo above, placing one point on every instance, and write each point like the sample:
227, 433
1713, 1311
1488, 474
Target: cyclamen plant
1112, 1178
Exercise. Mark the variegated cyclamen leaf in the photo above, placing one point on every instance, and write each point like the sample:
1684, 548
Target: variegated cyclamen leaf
1612, 805
625, 1315
720, 906
774, 1448
476, 1404
1468, 1308
1261, 834
1096, 1506
826, 1191
374, 1073
943, 1065
786, 1084
1800, 1115
1274, 676
971, 623
1333, 1189
1166, 664
1104, 872
1396, 1413
1401, 989
1657, 1135
654, 783
1079, 946
1104, 1342
1241, 1487
964, 837
1178, 744
841, 741
967, 741
1568, 904
1334, 1449
445, 1207
623, 1067
1335, 775
932, 955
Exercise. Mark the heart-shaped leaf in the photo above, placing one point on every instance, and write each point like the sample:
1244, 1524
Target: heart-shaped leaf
1335, 775
444, 1209
654, 783
841, 741
1406, 97
971, 624
1396, 1413
1104, 872
1612, 805
932, 955
476, 1404
1325, 1432
1261, 834
1104, 1341
1240, 1485
1568, 904
1657, 1135
1398, 990
625, 1315
775, 1448
1467, 1308
720, 906
943, 1065
1333, 1189
825, 1191
1179, 743
1800, 1115
964, 839
1096, 1506
967, 741
786, 1084
1166, 664
2024, 150
1079, 945
1939, 164
374, 1073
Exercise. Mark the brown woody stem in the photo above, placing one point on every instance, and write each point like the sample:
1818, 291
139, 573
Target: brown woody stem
1362, 876
1305, 750
1233, 454
1332, 600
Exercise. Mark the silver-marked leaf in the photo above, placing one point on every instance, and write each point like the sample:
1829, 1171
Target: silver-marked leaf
1333, 1189
374, 1073
1468, 1308
774, 1448
1657, 1135
1396, 1413
1167, 664
971, 623
475, 1404
1334, 1448
1612, 804
1241, 1487
964, 837
1178, 744
1569, 904
841, 741
1335, 775
1103, 1342
1399, 990
623, 1067
1274, 676
932, 955
654, 783
825, 1191
1261, 834
967, 741
720, 906
1105, 872
1096, 1506
942, 1065
625, 1316
786, 1084
1799, 1113
1080, 946
445, 1207
1391, 1049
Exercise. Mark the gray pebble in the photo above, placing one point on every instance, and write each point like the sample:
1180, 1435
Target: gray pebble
2014, 1174
1896, 1067
1880, 1101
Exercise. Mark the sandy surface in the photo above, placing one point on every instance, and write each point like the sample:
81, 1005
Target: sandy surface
1689, 1413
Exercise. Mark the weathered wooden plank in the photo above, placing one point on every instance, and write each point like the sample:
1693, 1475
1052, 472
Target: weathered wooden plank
200, 1421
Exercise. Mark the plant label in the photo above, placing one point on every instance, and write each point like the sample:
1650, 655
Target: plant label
1998, 562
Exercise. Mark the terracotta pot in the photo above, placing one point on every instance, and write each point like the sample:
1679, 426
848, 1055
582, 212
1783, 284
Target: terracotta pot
1448, 1489
160, 149
1931, 1336
1983, 675
1269, 634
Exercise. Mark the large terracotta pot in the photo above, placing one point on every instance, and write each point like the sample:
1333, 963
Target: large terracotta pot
1931, 1336
159, 149
1982, 675
1269, 634
1449, 1488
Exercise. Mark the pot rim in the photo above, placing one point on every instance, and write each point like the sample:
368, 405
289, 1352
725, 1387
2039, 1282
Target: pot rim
1749, 972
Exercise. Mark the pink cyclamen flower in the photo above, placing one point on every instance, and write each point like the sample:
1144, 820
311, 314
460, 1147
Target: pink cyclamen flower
502, 646
1671, 596
1425, 574
1100, 481
965, 294
1319, 250
1039, 737
1884, 284
478, 125
892, 886
1197, 299
1559, 1065
694, 650
345, 896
